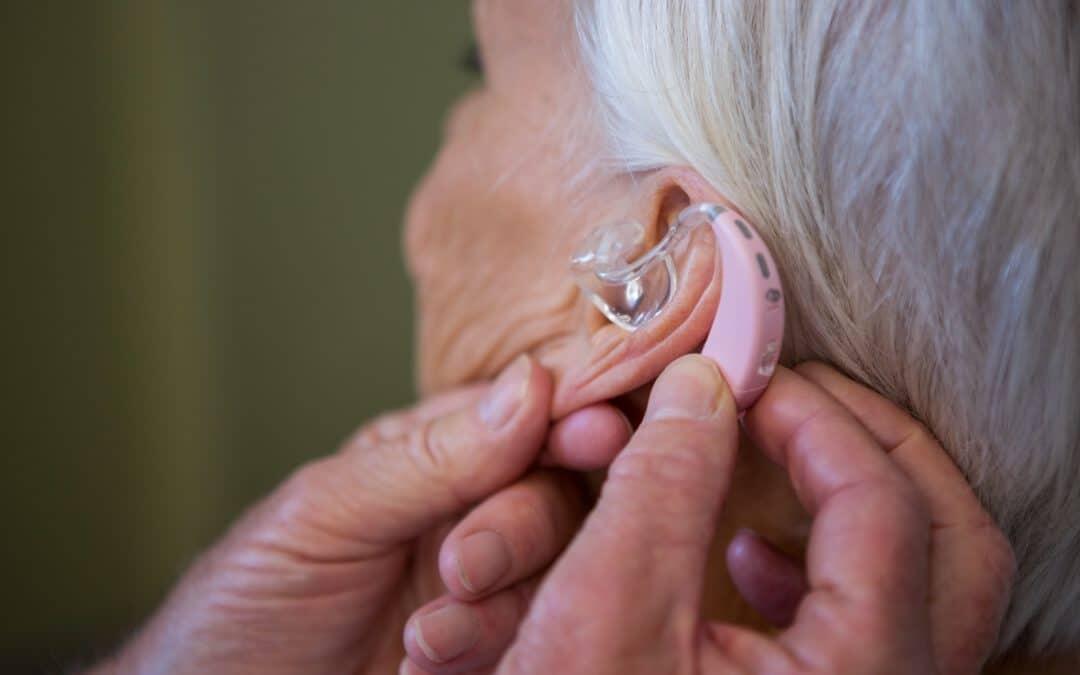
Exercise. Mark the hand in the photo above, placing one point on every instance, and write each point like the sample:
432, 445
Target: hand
905, 573
321, 575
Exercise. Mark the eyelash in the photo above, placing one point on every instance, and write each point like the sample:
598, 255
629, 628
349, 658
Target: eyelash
471, 62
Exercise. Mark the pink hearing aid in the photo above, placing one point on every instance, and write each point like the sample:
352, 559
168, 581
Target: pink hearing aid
630, 290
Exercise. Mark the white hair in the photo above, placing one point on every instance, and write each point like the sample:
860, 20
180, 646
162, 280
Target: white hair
915, 167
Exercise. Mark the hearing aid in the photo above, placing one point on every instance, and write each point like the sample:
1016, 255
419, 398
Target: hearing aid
631, 288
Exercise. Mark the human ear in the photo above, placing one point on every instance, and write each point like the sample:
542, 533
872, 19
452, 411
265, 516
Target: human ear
614, 362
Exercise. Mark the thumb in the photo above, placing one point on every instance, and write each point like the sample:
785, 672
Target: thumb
628, 589
641, 554
664, 491
376, 494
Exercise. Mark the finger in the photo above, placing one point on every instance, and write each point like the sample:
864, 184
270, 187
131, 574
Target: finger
664, 491
632, 578
389, 426
972, 565
587, 439
370, 497
771, 582
448, 636
512, 535
409, 667
909, 444
867, 556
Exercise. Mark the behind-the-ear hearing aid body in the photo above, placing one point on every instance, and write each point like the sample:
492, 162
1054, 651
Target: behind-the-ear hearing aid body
748, 329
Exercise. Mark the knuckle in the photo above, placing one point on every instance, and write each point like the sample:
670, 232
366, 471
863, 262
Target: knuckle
363, 437
537, 517
306, 481
673, 468
428, 451
543, 521
528, 522
840, 654
909, 498
917, 435
309, 498
384, 427
433, 454
817, 431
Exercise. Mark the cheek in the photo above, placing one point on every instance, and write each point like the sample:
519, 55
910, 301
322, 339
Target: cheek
447, 216
487, 237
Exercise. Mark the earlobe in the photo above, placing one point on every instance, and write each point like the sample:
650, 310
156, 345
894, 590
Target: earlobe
615, 362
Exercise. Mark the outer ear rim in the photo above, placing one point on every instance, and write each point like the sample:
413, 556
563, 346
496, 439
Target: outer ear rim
616, 362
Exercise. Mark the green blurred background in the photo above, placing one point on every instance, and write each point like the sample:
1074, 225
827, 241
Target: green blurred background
203, 284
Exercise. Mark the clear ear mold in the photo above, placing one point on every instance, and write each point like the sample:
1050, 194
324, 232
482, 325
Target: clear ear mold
628, 284
631, 284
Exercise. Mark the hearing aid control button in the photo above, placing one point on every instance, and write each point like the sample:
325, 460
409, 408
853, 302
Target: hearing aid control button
763, 265
744, 229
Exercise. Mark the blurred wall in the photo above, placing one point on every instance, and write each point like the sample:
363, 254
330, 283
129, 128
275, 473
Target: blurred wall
202, 276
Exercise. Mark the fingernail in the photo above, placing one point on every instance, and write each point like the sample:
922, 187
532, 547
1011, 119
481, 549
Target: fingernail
447, 632
506, 394
690, 388
482, 558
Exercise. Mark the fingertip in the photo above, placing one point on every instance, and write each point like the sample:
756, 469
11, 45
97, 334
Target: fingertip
588, 439
448, 636
739, 550
473, 564
692, 387
770, 582
511, 536
441, 632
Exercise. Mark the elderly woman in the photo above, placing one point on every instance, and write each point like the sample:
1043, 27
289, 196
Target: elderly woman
915, 168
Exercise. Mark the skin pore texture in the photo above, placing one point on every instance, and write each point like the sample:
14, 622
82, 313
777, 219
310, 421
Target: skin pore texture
488, 235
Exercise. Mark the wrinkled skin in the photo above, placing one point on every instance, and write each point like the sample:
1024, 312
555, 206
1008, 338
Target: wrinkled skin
490, 229
904, 571
321, 575
489, 232
490, 226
